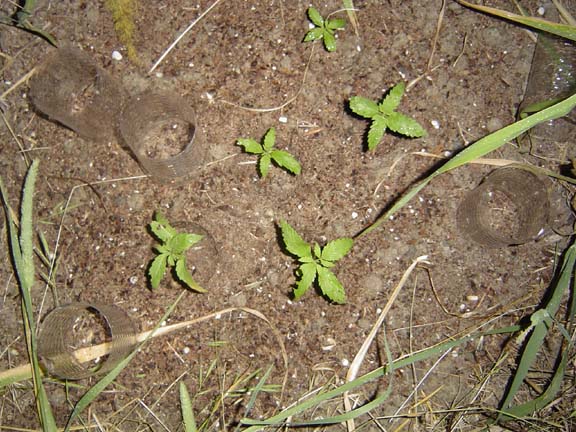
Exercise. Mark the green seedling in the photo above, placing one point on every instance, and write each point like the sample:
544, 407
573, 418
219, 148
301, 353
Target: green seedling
384, 116
316, 262
171, 253
324, 29
269, 154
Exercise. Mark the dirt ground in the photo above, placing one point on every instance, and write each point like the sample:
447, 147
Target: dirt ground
248, 55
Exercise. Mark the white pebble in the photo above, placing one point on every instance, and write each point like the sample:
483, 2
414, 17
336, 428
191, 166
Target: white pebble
283, 119
116, 55
435, 124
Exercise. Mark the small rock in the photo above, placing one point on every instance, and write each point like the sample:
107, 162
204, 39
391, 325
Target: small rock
494, 124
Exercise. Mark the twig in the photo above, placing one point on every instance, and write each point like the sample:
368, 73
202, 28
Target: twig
173, 44
359, 358
288, 102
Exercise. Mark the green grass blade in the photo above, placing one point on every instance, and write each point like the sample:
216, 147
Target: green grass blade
99, 387
480, 148
255, 392
27, 230
187, 412
25, 11
562, 30
436, 350
530, 407
12, 230
23, 256
533, 345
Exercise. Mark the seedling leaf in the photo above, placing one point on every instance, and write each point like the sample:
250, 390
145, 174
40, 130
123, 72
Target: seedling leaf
384, 116
307, 273
364, 107
392, 99
314, 34
376, 131
286, 160
185, 276
250, 145
161, 228
161, 219
268, 153
269, 139
162, 249
317, 251
326, 263
330, 285
405, 125
336, 24
315, 17
264, 164
157, 270
293, 242
171, 252
337, 249
182, 242
329, 41
324, 29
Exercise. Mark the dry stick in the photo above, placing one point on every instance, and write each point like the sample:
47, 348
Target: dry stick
147, 409
564, 13
173, 44
288, 102
429, 67
87, 354
351, 12
18, 83
359, 358
9, 61
20, 146
422, 380
411, 336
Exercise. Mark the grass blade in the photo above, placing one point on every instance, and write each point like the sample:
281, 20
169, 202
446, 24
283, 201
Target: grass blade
256, 425
533, 345
22, 248
479, 149
186, 406
562, 30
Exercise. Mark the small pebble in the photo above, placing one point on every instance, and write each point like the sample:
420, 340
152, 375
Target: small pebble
116, 55
494, 124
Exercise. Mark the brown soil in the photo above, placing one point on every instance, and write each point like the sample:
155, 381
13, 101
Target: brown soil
240, 57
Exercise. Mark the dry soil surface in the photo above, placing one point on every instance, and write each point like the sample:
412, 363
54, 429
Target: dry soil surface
244, 68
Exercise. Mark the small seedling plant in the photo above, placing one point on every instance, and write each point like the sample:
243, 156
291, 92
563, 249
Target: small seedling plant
316, 262
384, 116
324, 29
171, 253
268, 154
